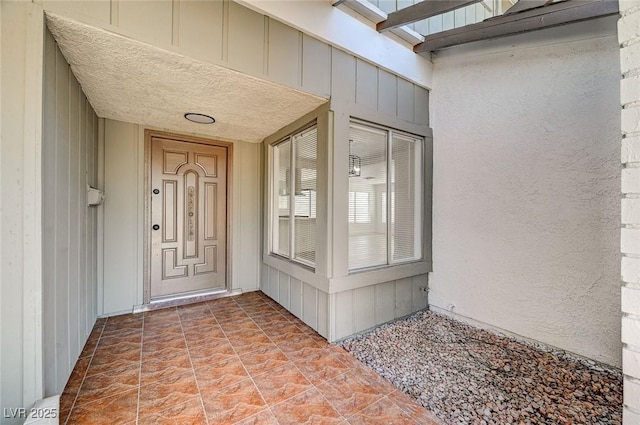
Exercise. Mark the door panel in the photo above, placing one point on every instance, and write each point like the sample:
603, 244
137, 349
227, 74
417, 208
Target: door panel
189, 217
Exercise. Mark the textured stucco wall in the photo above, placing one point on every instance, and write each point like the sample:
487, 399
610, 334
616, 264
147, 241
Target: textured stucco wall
629, 39
526, 187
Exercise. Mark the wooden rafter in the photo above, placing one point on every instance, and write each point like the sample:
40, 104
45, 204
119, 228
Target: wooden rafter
555, 14
419, 11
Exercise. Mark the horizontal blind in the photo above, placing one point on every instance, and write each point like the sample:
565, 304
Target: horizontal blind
305, 163
406, 198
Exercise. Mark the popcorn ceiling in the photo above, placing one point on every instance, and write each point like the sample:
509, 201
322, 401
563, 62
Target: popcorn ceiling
135, 82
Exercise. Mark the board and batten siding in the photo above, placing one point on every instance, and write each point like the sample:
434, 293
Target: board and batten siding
69, 164
228, 34
357, 89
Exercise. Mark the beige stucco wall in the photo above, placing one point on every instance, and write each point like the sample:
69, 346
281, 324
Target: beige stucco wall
526, 187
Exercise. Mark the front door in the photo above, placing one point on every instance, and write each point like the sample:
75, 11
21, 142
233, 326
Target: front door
188, 217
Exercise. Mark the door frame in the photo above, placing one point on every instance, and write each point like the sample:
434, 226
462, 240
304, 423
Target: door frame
148, 135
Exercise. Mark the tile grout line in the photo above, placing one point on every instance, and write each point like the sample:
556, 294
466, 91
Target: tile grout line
241, 362
193, 369
314, 387
73, 405
140, 369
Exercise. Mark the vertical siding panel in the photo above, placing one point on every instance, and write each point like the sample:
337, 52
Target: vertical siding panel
296, 297
84, 312
366, 84
448, 21
343, 314
419, 297
387, 92
316, 66
310, 305
200, 28
246, 40
406, 102
323, 314
284, 290
284, 54
62, 220
150, 20
404, 296
48, 219
421, 108
343, 66
89, 221
435, 24
74, 212
385, 302
364, 305
470, 14
459, 17
264, 276
273, 284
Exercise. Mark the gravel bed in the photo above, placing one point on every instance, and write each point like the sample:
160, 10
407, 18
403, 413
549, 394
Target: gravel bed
467, 375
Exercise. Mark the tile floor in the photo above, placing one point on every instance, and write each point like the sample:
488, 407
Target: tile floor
236, 360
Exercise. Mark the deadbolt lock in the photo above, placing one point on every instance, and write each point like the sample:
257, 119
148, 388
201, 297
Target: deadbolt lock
156, 191
156, 227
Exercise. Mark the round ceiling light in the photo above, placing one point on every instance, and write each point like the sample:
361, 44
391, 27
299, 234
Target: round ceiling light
199, 118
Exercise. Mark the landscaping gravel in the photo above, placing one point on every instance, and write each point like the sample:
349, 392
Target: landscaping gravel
467, 375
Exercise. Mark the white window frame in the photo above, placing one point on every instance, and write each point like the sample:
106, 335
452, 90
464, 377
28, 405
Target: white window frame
274, 198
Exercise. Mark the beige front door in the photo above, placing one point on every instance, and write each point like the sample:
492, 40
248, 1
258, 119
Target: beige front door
188, 217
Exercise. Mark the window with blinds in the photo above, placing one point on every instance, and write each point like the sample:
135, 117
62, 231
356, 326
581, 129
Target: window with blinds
294, 165
389, 167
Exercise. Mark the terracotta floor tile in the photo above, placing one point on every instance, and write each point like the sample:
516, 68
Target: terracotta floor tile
188, 413
320, 366
415, 411
233, 403
376, 381
156, 370
300, 347
104, 361
215, 351
164, 394
162, 366
382, 412
248, 340
281, 383
349, 394
105, 384
220, 374
263, 359
151, 346
263, 418
114, 410
307, 408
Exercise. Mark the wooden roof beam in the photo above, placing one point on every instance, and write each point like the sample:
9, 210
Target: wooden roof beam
419, 11
553, 15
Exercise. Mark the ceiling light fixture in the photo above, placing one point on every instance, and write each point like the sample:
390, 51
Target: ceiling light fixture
199, 118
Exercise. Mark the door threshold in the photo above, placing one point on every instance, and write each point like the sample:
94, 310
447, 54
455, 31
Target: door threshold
179, 300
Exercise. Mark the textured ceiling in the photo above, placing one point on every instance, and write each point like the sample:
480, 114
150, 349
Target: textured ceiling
135, 82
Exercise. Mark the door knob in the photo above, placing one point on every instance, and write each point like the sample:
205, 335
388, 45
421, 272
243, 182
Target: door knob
156, 227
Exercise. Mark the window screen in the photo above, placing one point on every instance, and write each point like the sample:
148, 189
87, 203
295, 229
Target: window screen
390, 167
